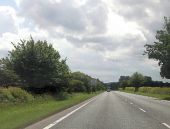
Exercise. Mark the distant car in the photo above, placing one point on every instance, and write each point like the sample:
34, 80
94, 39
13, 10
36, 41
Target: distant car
108, 90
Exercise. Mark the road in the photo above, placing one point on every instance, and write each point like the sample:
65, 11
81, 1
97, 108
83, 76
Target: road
112, 110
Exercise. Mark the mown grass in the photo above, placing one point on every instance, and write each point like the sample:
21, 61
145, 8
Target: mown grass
158, 96
18, 115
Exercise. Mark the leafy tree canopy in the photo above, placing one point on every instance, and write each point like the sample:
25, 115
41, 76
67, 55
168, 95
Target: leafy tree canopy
160, 50
38, 64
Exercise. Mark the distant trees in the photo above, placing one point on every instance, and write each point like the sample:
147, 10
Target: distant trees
87, 83
76, 86
147, 81
160, 50
136, 80
112, 85
124, 81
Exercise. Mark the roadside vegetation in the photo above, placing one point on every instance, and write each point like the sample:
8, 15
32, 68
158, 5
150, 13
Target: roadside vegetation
35, 82
18, 115
156, 92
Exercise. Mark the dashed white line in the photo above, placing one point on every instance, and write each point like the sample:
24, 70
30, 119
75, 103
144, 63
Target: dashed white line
166, 125
62, 118
142, 109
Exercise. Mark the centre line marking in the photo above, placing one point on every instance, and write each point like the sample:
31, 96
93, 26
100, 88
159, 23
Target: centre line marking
142, 109
67, 115
166, 125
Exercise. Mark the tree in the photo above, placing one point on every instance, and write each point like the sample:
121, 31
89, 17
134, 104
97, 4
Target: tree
147, 81
90, 84
136, 80
160, 50
124, 81
8, 78
38, 64
76, 86
84, 78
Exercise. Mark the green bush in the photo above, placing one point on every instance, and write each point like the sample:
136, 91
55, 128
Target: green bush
14, 94
62, 96
5, 95
130, 89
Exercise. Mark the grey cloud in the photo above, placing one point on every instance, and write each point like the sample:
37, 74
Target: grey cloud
138, 11
64, 14
105, 42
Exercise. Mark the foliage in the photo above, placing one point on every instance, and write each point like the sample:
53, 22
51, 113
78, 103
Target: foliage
90, 84
160, 50
8, 77
38, 64
124, 81
5, 95
147, 81
62, 96
76, 86
14, 94
136, 80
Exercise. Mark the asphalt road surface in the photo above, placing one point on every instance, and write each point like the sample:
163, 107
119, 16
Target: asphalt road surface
112, 110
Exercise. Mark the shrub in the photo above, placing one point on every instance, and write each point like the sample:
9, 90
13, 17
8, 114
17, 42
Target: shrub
5, 95
14, 94
62, 96
130, 89
76, 86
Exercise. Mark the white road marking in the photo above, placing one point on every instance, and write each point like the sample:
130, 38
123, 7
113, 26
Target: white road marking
166, 125
142, 109
67, 115
131, 103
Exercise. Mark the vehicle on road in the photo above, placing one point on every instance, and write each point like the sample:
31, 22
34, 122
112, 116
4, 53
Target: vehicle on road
108, 90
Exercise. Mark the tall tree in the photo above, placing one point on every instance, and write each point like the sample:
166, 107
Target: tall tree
38, 64
160, 50
124, 81
136, 80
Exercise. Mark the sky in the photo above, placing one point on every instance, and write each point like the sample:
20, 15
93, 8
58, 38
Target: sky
102, 38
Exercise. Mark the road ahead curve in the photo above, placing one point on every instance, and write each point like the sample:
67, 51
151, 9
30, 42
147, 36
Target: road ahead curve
112, 110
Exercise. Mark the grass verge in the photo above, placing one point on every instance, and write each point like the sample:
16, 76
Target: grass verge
158, 96
14, 116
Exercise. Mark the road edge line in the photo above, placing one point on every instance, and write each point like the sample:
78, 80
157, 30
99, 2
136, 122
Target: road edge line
67, 115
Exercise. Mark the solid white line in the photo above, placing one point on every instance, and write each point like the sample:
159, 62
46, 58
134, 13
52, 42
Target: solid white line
67, 115
142, 109
166, 125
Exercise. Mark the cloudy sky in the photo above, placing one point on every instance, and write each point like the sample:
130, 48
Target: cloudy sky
103, 38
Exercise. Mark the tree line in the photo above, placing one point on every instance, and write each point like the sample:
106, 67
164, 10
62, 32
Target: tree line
136, 80
36, 66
